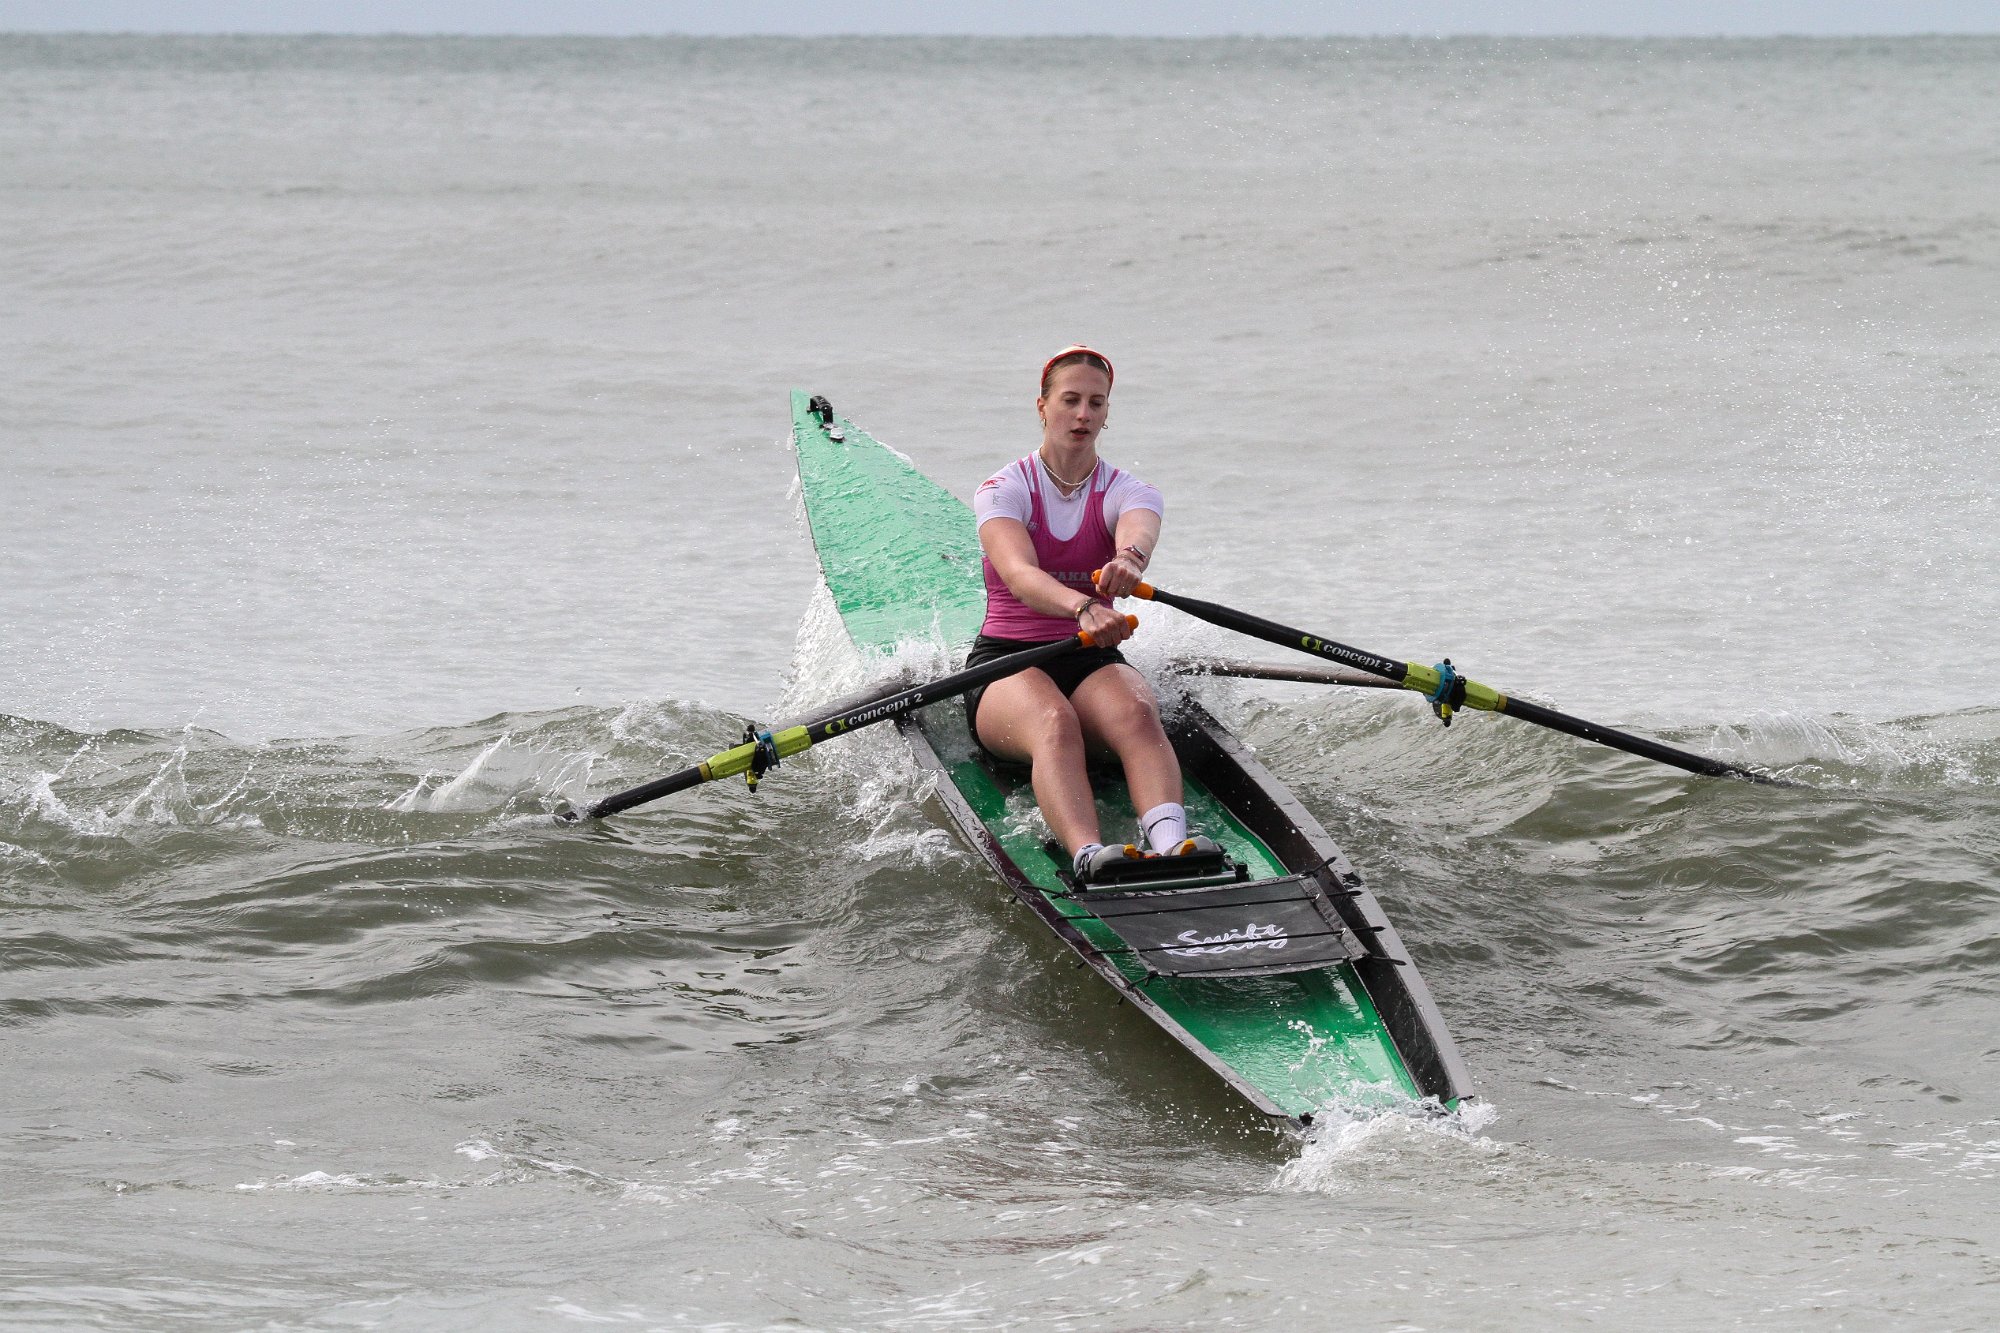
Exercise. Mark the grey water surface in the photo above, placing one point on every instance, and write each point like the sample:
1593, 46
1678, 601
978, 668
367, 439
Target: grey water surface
392, 446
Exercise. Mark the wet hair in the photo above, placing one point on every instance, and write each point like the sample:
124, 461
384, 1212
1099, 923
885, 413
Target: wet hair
1091, 359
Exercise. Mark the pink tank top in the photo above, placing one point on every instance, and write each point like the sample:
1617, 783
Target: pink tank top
1070, 562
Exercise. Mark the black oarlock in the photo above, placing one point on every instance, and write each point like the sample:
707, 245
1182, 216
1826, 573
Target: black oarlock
822, 410
763, 759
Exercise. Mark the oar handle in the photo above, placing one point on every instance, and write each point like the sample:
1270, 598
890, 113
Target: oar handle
1144, 590
1131, 622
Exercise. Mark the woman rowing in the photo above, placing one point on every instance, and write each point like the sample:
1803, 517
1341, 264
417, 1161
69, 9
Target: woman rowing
1046, 522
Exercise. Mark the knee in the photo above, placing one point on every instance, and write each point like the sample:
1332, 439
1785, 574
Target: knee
1056, 730
1134, 715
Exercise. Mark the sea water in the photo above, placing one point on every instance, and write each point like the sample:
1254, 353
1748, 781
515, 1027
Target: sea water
392, 446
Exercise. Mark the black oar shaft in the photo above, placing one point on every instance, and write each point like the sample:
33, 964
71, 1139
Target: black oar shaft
849, 716
650, 791
1639, 745
1477, 695
959, 682
1284, 635
1302, 674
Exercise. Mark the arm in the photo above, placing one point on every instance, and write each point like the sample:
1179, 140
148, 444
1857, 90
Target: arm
1136, 527
1012, 551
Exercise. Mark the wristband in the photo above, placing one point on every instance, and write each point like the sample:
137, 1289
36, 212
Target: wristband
1143, 558
1088, 602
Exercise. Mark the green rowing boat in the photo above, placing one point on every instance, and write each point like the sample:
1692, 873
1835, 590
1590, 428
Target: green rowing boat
1276, 968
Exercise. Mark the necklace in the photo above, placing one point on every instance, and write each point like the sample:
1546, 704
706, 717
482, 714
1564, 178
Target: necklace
1068, 488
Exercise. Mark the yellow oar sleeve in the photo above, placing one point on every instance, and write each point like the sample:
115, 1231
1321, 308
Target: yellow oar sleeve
790, 741
1424, 680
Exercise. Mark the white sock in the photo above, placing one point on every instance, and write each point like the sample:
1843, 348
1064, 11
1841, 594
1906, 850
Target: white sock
1084, 853
1166, 826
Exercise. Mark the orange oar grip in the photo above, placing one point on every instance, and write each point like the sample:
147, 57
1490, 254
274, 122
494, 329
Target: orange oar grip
1144, 590
1088, 642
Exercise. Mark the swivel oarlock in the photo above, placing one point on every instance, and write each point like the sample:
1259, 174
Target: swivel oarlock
763, 759
1449, 696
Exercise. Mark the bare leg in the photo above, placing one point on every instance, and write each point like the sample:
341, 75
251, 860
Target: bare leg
1024, 717
1117, 711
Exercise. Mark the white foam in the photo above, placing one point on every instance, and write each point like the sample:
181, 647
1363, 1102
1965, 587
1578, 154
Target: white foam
1344, 1137
504, 770
315, 1182
9, 852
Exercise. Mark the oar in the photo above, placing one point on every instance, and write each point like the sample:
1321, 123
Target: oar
1449, 691
1304, 675
756, 756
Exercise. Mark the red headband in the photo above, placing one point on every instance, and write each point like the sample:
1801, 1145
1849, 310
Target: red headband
1110, 375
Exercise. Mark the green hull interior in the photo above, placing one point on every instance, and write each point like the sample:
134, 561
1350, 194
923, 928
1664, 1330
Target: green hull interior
901, 559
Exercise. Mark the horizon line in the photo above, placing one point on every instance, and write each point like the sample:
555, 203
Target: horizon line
1345, 35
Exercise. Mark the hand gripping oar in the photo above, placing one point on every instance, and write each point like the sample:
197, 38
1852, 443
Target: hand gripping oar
763, 751
1448, 691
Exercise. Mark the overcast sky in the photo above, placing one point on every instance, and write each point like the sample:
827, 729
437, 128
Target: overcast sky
1166, 18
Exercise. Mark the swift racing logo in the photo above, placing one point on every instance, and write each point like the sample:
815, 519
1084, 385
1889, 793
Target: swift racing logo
1194, 944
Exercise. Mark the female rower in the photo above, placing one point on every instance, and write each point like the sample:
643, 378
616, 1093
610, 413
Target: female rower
1045, 523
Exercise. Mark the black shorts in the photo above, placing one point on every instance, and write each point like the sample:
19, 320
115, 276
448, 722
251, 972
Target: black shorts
1067, 671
